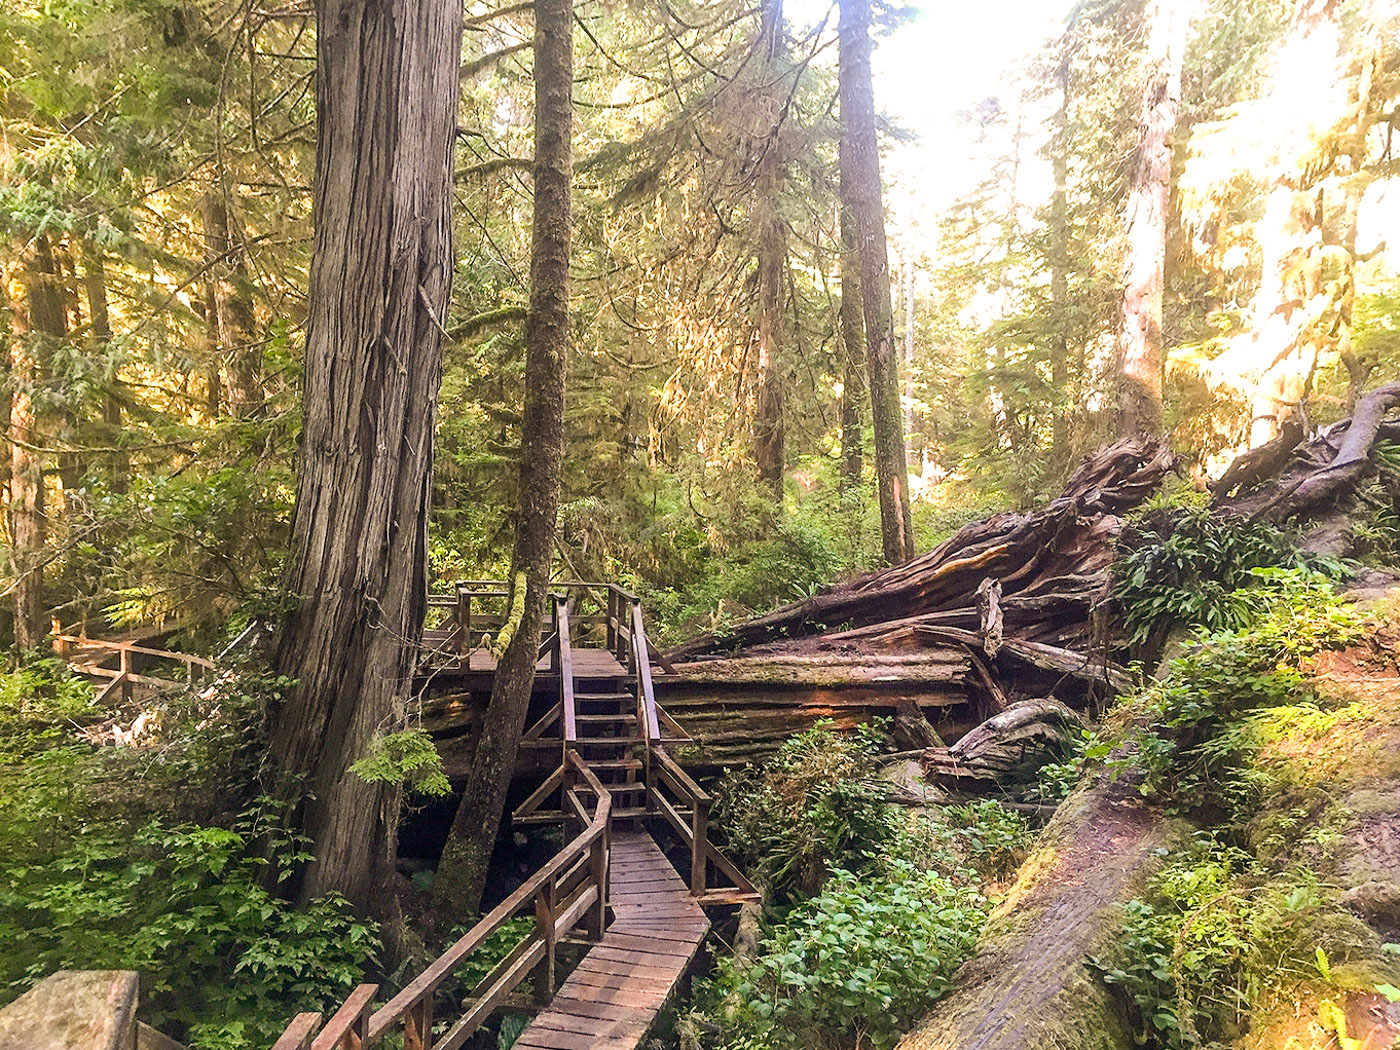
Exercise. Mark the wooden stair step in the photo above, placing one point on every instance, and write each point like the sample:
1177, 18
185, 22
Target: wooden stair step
540, 816
606, 718
607, 740
615, 764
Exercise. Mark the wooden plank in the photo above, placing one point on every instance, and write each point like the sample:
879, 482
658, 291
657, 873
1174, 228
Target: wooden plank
601, 1011
625, 929
641, 957
622, 968
544, 1039
593, 979
650, 879
639, 1004
631, 1028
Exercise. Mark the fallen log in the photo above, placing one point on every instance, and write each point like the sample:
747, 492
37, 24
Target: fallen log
1071, 539
1029, 986
1323, 470
1010, 747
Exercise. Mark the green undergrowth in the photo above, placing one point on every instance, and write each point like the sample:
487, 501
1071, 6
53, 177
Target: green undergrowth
1189, 567
871, 908
157, 858
1248, 913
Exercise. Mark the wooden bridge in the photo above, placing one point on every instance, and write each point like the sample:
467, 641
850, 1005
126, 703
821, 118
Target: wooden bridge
611, 891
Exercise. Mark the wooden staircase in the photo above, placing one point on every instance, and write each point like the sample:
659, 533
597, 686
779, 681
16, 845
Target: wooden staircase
611, 886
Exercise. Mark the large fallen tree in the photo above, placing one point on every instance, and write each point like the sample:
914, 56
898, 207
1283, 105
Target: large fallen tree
1005, 610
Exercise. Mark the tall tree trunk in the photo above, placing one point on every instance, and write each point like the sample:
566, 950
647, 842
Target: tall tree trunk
772, 254
461, 875
39, 319
26, 484
228, 309
1140, 356
95, 287
381, 271
1060, 449
861, 192
853, 347
1290, 237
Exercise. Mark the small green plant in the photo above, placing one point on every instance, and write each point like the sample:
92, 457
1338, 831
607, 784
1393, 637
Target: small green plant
409, 758
854, 966
994, 839
1214, 935
1196, 733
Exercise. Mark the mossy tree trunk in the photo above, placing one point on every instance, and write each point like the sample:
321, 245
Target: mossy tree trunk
853, 355
1029, 986
769, 443
228, 308
95, 287
38, 319
461, 875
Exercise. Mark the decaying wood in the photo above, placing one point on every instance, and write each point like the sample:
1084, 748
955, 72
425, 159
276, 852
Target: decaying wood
912, 731
1253, 466
1052, 565
1029, 986
989, 611
1010, 746
1323, 470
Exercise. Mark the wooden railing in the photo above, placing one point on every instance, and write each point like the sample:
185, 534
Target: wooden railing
123, 677
477, 608
569, 891
615, 615
672, 792
564, 660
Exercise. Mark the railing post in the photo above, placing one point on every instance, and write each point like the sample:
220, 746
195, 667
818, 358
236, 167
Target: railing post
700, 844
544, 926
464, 621
598, 863
418, 1023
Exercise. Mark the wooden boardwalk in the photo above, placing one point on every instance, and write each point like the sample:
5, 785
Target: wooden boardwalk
609, 885
613, 997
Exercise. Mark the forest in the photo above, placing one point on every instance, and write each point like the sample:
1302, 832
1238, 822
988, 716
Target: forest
700, 525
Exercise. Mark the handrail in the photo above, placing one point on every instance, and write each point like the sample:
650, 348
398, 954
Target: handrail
566, 677
612, 617
562, 900
129, 647
646, 692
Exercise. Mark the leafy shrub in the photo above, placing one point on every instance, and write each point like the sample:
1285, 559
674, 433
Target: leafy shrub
994, 839
1194, 568
807, 811
104, 867
184, 906
39, 700
1196, 734
408, 758
856, 965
